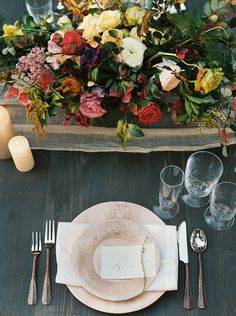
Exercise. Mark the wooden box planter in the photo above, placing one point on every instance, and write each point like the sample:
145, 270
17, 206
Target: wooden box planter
95, 139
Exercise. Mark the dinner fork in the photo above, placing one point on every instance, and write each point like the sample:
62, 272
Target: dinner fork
49, 241
36, 249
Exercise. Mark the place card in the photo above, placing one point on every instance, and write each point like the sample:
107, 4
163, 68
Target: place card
124, 262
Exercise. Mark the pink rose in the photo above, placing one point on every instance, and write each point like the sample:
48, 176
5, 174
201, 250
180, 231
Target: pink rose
90, 103
54, 48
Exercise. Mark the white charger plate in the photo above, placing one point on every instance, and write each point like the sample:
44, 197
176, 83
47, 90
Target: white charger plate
98, 215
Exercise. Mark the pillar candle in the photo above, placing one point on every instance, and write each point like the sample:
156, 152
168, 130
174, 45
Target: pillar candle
21, 153
6, 133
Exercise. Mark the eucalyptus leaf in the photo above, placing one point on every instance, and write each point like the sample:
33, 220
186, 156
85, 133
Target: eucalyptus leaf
135, 130
12, 51
5, 51
214, 5
207, 8
224, 150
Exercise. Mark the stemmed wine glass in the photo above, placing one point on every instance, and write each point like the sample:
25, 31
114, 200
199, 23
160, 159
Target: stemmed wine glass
203, 171
222, 210
171, 181
38, 8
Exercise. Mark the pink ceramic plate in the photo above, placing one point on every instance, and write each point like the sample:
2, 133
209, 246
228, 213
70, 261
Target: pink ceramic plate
100, 214
88, 256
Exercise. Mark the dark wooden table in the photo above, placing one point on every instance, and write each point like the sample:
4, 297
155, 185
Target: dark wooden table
63, 184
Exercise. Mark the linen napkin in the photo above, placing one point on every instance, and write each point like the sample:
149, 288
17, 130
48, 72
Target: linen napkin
165, 237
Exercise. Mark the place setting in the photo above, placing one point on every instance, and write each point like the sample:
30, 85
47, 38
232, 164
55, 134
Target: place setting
120, 257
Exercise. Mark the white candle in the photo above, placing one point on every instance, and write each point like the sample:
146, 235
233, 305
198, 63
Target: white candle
21, 153
6, 133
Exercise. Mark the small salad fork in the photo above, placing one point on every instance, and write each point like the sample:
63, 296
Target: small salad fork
49, 241
36, 249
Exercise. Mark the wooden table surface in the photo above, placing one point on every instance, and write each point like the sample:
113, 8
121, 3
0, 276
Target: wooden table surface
62, 185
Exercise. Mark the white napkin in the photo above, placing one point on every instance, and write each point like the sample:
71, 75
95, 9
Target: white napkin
166, 239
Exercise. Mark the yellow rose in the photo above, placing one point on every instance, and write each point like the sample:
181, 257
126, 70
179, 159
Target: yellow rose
109, 20
114, 36
89, 33
12, 30
89, 27
134, 15
134, 34
208, 79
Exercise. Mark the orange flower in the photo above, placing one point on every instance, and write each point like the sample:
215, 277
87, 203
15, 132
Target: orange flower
72, 86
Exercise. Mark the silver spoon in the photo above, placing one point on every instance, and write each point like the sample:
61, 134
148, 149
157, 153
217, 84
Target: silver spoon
198, 242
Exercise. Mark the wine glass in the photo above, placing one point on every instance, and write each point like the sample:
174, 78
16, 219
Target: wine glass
222, 210
38, 8
171, 181
202, 173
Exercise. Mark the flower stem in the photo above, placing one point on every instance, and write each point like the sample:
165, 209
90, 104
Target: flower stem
161, 54
214, 28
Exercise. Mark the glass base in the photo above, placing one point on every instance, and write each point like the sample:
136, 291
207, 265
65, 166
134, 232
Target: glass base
211, 221
195, 201
166, 213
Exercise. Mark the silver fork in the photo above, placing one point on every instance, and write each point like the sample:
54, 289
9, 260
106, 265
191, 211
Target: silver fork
36, 249
49, 241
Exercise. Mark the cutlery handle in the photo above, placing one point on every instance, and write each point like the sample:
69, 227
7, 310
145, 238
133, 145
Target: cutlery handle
188, 295
46, 296
202, 298
32, 296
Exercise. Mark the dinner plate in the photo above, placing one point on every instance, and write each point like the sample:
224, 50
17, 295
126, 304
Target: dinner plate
100, 214
87, 258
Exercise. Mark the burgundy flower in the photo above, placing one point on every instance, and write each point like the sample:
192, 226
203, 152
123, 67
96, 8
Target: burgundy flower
119, 93
79, 118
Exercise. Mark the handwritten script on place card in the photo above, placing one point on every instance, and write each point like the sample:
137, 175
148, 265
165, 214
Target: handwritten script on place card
124, 262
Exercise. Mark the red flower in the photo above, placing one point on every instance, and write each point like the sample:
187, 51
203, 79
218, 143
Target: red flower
79, 118
23, 98
125, 96
47, 78
225, 135
71, 43
12, 91
113, 93
57, 38
150, 113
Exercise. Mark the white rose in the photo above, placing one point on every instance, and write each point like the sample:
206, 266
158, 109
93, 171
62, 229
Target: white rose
133, 52
169, 70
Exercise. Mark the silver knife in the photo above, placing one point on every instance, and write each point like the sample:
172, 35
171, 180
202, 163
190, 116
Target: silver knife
183, 256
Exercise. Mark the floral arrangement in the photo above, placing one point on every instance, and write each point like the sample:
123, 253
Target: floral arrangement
141, 59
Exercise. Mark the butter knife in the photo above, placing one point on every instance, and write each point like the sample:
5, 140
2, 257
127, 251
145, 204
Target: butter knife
183, 256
